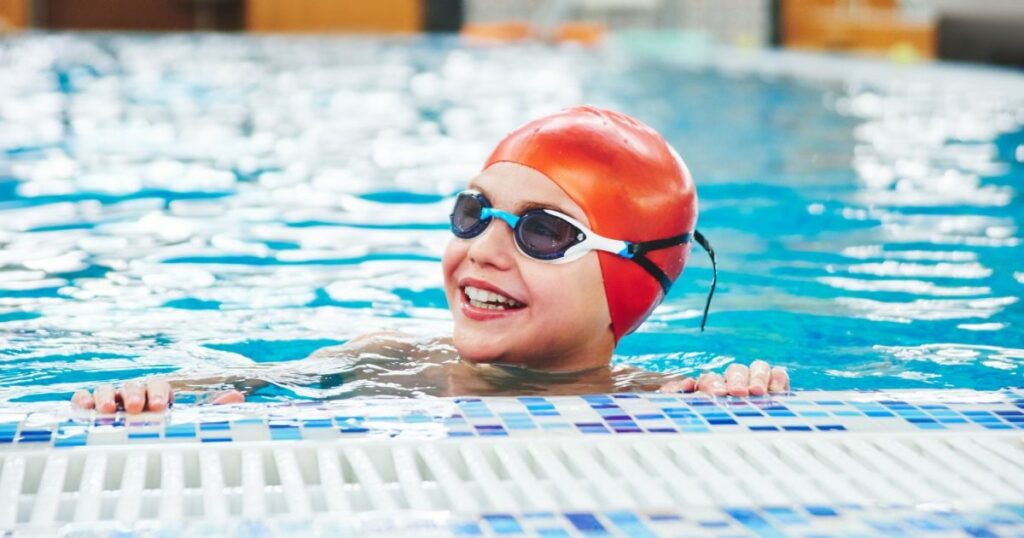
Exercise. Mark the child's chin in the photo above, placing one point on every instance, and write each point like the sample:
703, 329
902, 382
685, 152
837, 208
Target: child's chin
479, 350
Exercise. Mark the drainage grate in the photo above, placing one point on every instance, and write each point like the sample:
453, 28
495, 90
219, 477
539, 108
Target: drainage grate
183, 482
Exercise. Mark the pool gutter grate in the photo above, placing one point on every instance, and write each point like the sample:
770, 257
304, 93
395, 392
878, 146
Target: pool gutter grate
261, 480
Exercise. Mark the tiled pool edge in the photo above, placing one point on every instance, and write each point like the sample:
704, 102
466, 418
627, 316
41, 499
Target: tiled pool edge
267, 469
39, 426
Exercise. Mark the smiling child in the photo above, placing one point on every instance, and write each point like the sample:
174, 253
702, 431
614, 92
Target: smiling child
568, 239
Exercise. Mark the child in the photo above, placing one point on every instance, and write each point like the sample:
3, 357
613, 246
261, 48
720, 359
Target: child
566, 241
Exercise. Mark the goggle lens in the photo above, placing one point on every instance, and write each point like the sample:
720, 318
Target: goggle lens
466, 221
545, 236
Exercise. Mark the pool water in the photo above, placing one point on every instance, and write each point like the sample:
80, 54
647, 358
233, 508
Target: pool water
195, 204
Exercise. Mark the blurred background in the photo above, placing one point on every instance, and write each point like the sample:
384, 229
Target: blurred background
986, 31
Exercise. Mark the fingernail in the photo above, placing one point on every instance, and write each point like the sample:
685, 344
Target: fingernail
157, 400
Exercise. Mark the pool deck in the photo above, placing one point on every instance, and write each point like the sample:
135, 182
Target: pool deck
908, 462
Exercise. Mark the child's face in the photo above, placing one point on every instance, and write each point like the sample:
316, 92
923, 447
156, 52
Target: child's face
564, 322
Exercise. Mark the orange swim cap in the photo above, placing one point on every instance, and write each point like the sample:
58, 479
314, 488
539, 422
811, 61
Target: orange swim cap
632, 186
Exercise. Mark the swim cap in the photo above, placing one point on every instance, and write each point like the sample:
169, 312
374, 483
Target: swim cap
632, 186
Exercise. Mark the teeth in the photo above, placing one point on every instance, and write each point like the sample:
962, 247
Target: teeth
488, 299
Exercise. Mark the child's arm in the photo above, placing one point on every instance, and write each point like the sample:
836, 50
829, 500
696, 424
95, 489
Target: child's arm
155, 394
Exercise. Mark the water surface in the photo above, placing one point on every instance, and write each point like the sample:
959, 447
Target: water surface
188, 205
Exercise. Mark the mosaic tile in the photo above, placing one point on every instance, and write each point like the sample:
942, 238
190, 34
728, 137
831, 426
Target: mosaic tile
833, 413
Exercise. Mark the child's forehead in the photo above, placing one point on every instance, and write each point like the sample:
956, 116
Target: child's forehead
519, 189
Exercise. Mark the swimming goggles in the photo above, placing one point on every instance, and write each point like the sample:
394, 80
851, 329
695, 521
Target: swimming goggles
550, 236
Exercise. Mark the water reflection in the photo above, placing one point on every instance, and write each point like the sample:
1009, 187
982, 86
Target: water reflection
161, 195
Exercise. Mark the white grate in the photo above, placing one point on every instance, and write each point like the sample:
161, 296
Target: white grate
189, 482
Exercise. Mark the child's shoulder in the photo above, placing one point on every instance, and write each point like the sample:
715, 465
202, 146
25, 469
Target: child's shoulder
389, 343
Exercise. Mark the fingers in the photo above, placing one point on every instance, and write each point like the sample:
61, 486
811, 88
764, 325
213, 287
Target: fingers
229, 397
688, 384
82, 400
737, 379
712, 384
133, 395
779, 380
760, 375
105, 398
159, 394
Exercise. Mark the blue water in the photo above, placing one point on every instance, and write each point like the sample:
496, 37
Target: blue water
195, 205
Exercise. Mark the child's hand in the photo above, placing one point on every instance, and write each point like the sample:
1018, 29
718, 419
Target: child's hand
138, 396
739, 380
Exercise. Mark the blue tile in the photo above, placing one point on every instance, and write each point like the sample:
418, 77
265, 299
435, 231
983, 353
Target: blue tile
219, 425
467, 528
73, 440
763, 428
797, 428
721, 421
587, 524
143, 435
552, 533
820, 510
503, 524
785, 515
630, 524
216, 439
180, 430
830, 427
754, 521
285, 434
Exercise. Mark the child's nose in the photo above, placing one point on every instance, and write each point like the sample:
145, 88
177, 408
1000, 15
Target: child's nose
494, 247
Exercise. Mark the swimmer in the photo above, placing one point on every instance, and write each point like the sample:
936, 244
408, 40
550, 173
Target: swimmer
570, 236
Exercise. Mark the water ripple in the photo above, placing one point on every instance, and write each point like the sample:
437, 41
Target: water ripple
191, 203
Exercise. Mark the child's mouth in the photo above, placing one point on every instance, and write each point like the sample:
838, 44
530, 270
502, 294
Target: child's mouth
489, 300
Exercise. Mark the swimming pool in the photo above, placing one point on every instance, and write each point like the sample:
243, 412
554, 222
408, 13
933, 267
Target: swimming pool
200, 203
195, 203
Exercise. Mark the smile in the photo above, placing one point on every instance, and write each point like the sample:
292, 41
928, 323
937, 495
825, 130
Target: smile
489, 300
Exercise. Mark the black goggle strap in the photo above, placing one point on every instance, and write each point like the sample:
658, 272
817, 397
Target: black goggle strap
706, 245
636, 252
